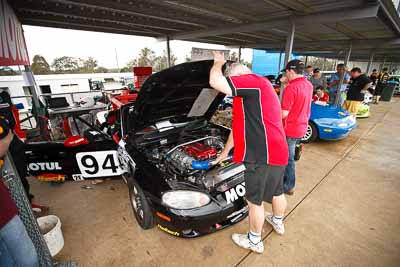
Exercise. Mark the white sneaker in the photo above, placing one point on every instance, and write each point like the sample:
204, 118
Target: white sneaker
278, 227
244, 242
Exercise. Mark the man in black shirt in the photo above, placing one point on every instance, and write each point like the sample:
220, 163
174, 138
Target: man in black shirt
359, 85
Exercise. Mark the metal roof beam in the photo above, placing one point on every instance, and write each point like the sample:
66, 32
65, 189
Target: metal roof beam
143, 27
115, 6
391, 14
359, 13
367, 43
87, 27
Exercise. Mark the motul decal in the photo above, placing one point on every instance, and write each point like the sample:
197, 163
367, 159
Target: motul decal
234, 193
44, 166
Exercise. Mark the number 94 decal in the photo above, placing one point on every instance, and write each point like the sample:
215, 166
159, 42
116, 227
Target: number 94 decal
99, 164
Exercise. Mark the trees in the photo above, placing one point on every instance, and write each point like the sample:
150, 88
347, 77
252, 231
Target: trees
40, 65
7, 71
188, 58
65, 64
146, 57
129, 66
233, 56
161, 62
101, 70
318, 62
87, 65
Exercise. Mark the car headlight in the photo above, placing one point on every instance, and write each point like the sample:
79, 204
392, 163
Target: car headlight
185, 199
342, 125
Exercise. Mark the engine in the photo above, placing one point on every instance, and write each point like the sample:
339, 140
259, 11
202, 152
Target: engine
192, 157
189, 160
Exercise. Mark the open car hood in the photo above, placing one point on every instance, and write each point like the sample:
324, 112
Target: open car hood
179, 94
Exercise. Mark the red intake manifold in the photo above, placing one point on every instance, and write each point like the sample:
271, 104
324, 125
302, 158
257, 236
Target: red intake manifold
200, 151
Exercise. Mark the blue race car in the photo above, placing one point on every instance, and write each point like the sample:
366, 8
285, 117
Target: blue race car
328, 122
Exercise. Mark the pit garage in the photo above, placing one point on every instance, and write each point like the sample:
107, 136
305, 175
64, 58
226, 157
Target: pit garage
344, 211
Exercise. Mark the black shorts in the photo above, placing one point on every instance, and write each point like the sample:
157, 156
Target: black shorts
263, 182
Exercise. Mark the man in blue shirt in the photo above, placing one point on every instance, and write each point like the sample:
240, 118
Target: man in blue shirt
334, 84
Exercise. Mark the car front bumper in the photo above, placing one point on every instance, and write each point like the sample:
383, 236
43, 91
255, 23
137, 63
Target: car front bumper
213, 217
334, 133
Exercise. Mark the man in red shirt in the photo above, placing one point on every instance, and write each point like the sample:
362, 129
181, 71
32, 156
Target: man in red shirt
320, 97
259, 141
296, 107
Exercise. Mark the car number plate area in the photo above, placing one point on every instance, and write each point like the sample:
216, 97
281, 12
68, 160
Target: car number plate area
99, 164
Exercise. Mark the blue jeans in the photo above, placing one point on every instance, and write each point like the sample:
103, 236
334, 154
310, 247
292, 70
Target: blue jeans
289, 180
332, 97
16, 248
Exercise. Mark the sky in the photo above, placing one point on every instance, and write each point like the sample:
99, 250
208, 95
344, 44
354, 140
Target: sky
53, 42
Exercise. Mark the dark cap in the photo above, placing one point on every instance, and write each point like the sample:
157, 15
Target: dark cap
295, 64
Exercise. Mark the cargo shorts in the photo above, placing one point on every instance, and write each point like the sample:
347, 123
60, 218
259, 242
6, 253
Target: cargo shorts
263, 182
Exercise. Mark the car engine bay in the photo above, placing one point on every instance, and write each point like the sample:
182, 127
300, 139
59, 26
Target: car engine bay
185, 155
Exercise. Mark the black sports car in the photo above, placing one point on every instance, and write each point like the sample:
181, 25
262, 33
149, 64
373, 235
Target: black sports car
169, 143
164, 155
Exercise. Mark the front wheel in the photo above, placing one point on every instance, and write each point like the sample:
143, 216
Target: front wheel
311, 134
140, 205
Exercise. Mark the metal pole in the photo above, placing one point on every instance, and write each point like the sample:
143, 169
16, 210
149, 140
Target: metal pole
305, 63
168, 53
289, 42
323, 64
288, 50
382, 65
390, 67
339, 91
11, 178
116, 58
34, 90
279, 64
371, 59
240, 54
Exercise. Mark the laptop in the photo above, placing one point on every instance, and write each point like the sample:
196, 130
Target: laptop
57, 102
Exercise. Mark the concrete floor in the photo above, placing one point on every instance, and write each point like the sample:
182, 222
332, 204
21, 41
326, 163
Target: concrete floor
344, 212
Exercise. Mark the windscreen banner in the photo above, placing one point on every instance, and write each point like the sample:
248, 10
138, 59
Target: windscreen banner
13, 49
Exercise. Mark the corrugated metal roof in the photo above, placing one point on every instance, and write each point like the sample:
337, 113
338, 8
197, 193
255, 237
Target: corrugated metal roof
251, 23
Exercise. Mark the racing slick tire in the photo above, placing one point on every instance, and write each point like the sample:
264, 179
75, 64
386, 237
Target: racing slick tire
311, 134
140, 205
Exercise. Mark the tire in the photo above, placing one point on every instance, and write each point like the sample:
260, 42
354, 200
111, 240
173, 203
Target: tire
311, 134
140, 206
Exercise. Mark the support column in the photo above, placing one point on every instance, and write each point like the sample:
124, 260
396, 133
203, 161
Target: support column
371, 59
390, 67
240, 54
289, 42
323, 64
288, 50
279, 64
31, 82
305, 63
346, 61
116, 59
382, 65
168, 53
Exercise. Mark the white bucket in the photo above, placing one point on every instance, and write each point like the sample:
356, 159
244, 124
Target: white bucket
50, 227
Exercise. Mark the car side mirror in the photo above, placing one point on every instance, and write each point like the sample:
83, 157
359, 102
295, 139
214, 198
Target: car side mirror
75, 140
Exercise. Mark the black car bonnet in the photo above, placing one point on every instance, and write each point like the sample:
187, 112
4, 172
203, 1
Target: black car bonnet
180, 93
